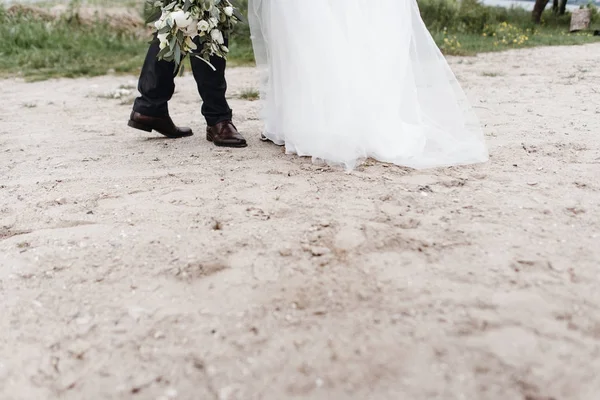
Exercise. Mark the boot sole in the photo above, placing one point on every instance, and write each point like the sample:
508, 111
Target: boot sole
137, 125
145, 128
210, 138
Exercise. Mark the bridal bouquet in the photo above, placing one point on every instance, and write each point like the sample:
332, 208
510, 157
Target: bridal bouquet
178, 23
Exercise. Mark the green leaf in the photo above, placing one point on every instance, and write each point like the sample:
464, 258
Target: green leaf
238, 15
236, 10
177, 55
163, 53
152, 11
153, 16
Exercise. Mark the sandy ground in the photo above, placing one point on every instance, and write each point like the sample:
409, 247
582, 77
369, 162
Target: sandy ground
134, 267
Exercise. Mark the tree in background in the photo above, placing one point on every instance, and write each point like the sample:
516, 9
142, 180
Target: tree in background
559, 7
538, 10
562, 8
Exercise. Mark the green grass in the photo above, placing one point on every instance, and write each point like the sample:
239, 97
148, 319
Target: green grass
39, 49
250, 94
471, 44
467, 27
105, 3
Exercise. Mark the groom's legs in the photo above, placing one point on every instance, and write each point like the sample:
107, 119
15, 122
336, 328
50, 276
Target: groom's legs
212, 87
156, 85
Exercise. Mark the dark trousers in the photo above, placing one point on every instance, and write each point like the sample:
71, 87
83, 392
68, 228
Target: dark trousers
157, 85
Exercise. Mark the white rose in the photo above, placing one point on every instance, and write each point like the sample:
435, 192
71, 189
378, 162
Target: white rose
217, 36
228, 11
182, 19
203, 26
213, 22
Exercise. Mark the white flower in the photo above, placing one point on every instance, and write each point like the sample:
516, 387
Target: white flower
192, 29
182, 19
163, 39
203, 26
213, 22
228, 11
162, 21
217, 36
224, 49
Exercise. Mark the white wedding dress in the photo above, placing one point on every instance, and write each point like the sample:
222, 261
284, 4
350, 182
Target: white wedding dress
345, 80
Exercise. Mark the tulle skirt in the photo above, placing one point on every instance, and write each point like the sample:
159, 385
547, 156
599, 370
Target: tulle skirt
347, 80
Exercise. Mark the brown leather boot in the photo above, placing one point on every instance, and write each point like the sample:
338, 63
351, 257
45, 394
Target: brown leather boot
225, 134
163, 125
